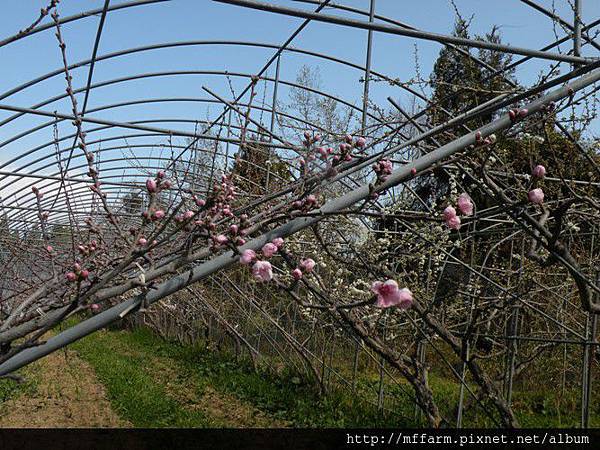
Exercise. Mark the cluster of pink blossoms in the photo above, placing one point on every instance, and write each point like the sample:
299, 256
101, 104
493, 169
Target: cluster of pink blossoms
516, 113
77, 273
328, 154
306, 266
262, 269
154, 186
536, 195
388, 294
465, 205
383, 169
481, 141
306, 204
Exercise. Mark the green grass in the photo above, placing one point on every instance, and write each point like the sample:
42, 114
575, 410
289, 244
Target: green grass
136, 396
10, 389
124, 363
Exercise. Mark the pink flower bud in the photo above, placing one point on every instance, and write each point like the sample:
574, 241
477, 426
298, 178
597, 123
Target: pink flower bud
142, 242
248, 256
70, 276
296, 274
269, 250
84, 274
160, 174
539, 171
49, 248
536, 196
188, 215
453, 223
94, 307
413, 171
151, 185
361, 142
307, 264
221, 239
278, 242
465, 204
233, 229
158, 214
449, 212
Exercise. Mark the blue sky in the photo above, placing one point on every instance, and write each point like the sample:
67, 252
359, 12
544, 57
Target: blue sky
185, 20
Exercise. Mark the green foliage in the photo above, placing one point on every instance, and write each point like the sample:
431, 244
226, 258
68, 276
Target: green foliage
460, 83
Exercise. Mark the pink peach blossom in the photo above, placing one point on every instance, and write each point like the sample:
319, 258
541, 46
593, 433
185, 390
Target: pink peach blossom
536, 196
269, 249
262, 271
278, 242
389, 295
449, 212
221, 239
453, 223
465, 204
307, 264
248, 256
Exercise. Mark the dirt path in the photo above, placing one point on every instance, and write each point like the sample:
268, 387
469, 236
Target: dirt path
67, 394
